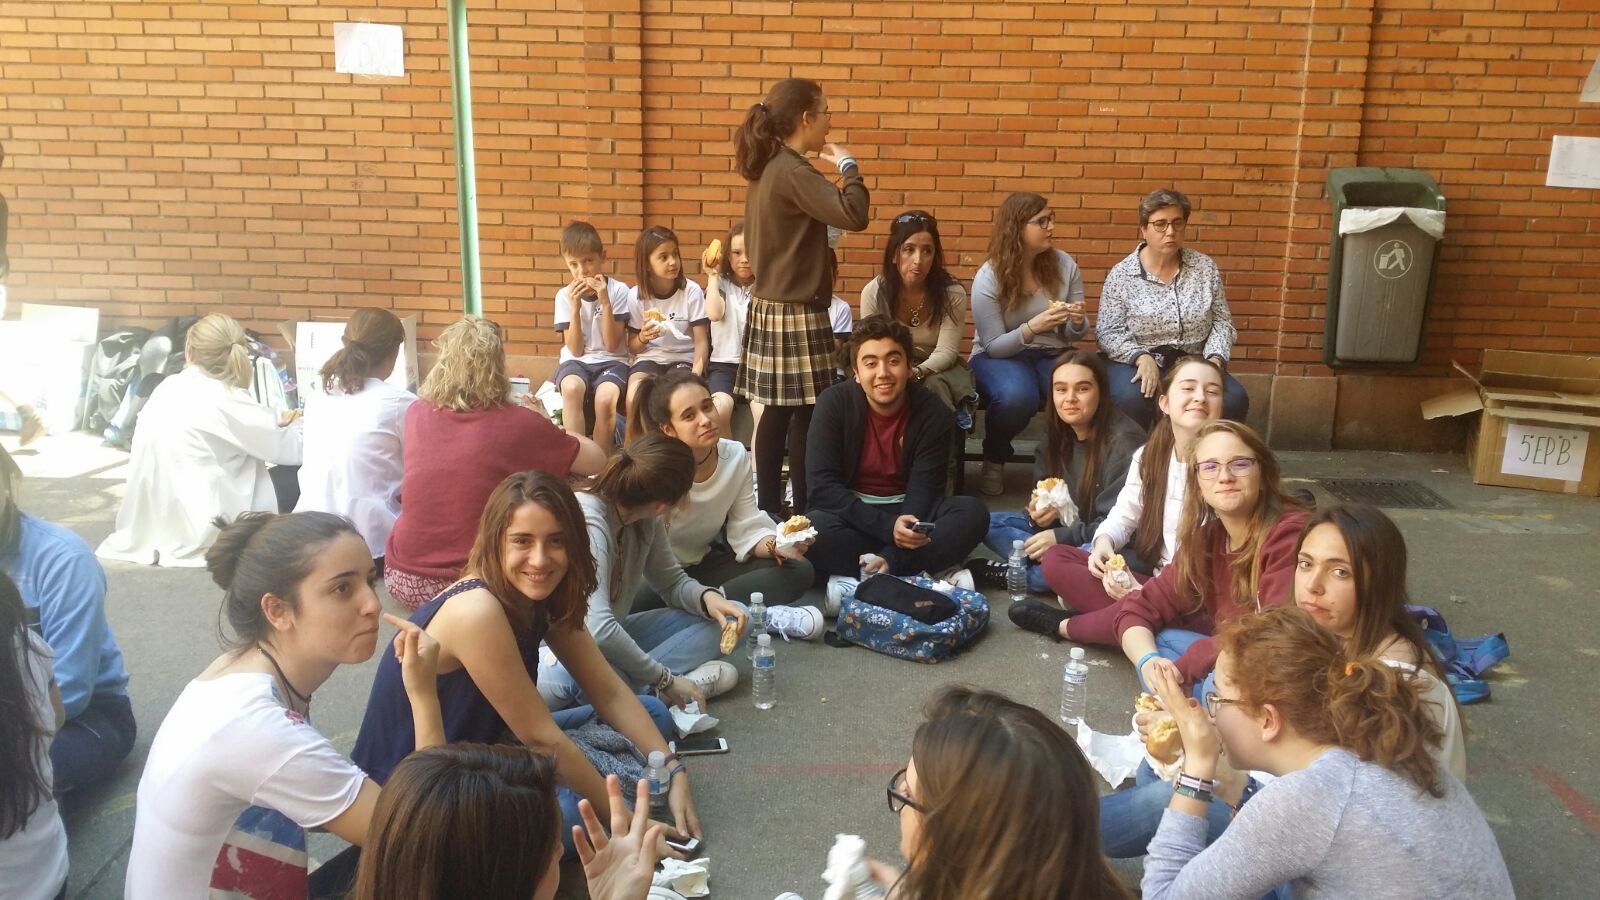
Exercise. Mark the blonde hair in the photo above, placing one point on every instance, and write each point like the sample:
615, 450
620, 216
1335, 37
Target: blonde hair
470, 373
217, 346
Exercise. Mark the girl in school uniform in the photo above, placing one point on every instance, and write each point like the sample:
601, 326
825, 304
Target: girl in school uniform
668, 327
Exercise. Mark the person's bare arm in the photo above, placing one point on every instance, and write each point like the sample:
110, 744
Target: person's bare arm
702, 347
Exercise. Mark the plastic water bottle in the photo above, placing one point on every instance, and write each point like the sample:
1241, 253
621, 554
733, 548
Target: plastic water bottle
660, 781
848, 875
1017, 573
1074, 688
758, 622
764, 675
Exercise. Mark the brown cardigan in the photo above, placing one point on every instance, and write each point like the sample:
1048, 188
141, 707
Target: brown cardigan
786, 215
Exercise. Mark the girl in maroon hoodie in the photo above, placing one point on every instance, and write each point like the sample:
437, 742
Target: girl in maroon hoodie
1236, 554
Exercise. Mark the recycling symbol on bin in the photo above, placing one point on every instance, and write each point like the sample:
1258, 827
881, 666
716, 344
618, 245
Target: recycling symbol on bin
1393, 259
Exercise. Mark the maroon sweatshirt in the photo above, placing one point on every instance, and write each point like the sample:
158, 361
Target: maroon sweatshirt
1161, 604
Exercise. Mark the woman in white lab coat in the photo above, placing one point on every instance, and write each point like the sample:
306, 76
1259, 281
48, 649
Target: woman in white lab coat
201, 451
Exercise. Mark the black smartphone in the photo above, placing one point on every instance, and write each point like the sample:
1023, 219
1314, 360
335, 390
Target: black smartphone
923, 527
699, 746
691, 846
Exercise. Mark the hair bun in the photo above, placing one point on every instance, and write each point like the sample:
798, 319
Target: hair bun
222, 557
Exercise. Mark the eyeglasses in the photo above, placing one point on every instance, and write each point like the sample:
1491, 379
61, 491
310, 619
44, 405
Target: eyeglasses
1044, 221
1239, 466
1215, 703
914, 216
898, 799
1175, 226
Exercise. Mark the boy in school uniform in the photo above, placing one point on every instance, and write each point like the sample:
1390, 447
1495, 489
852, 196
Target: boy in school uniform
592, 319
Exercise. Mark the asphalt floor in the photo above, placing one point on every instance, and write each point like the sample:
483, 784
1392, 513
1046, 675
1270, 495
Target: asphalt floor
1502, 560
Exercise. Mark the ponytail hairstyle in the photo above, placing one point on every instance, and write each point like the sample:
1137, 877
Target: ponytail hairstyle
980, 758
1377, 553
1282, 657
10, 512
371, 338
462, 820
1061, 442
262, 553
726, 267
939, 279
769, 123
218, 346
648, 241
22, 783
651, 468
1149, 538
487, 560
470, 373
652, 404
1007, 257
1200, 525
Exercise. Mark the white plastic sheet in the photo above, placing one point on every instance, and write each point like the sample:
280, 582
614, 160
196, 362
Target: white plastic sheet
1356, 220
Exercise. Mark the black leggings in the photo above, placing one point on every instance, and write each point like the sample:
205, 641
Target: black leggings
781, 425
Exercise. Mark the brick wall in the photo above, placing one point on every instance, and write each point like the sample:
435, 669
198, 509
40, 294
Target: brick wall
173, 157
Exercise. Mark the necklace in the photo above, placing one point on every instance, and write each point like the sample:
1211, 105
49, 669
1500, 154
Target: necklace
916, 314
305, 699
702, 460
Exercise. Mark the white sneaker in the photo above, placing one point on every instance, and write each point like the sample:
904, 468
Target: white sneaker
839, 587
714, 678
960, 577
803, 622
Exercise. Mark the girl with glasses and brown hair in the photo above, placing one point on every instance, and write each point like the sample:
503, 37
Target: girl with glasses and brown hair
996, 803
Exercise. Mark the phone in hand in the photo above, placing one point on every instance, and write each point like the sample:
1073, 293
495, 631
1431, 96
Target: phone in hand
688, 847
699, 746
923, 528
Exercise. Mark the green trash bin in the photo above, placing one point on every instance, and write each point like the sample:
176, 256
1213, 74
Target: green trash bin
1387, 224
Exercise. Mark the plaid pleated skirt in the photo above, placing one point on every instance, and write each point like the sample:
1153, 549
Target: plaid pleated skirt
788, 354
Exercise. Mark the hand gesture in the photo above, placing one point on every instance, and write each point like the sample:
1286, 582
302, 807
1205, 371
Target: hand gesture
681, 691
618, 867
794, 551
1116, 588
1040, 542
681, 802
1147, 376
1147, 675
1054, 316
650, 332
418, 654
1098, 554
832, 153
1042, 514
1201, 743
711, 259
720, 609
904, 537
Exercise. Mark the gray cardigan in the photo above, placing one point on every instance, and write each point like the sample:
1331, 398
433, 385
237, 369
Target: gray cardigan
1126, 436
643, 551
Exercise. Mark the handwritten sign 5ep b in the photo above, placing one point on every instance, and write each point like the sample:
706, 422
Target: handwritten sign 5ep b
1541, 452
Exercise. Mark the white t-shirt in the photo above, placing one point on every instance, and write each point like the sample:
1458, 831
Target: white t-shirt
725, 502
727, 336
594, 346
33, 861
228, 743
1123, 520
353, 459
842, 320
684, 309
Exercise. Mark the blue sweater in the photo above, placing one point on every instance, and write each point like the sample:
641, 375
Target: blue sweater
58, 574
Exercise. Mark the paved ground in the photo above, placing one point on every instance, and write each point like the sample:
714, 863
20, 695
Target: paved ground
1522, 562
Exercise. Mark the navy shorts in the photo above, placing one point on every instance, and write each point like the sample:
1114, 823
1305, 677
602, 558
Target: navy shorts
719, 377
651, 367
594, 374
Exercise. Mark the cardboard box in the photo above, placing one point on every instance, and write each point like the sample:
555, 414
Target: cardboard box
1538, 421
45, 357
313, 343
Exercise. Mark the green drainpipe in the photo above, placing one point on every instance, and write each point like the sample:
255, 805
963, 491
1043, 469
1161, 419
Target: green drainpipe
466, 172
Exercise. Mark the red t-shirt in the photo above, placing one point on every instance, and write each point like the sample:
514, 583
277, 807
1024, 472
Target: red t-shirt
453, 462
882, 471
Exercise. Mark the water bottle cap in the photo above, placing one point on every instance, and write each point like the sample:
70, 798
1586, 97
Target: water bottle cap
764, 640
1077, 653
657, 759
1016, 546
757, 597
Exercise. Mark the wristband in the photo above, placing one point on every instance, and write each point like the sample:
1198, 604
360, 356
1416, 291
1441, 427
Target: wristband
676, 770
1138, 669
1194, 793
847, 162
1208, 785
664, 681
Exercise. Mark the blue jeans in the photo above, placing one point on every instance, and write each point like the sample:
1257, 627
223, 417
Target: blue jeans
577, 717
1007, 527
676, 639
1129, 818
1172, 643
93, 743
1015, 389
1125, 394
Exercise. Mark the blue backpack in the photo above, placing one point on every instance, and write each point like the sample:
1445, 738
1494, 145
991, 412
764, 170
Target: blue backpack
899, 634
1464, 660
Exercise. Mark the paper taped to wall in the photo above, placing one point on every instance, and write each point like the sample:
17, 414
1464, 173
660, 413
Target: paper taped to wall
1574, 162
1591, 85
363, 48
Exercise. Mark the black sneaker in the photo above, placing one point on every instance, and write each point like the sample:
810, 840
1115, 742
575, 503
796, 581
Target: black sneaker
1038, 618
987, 573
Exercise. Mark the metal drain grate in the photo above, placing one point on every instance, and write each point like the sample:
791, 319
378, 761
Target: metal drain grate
1390, 493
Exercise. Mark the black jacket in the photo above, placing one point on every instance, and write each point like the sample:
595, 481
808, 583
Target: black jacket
833, 455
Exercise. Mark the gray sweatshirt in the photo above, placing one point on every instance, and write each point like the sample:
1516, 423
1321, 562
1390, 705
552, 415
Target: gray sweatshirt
644, 554
1338, 828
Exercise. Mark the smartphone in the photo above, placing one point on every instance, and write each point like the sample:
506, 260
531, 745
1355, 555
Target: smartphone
923, 527
520, 385
689, 847
699, 746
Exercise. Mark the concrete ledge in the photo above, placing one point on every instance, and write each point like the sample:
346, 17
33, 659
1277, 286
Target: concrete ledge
1301, 412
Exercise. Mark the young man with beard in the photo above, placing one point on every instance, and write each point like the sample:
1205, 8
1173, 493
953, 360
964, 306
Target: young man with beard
876, 456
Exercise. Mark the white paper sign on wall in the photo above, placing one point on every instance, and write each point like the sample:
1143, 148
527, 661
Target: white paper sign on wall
364, 48
1541, 452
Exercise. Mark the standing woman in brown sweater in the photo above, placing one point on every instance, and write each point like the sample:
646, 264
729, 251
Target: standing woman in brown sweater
788, 343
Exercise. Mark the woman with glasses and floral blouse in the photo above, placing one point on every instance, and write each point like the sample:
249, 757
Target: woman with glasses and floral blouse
916, 290
987, 777
1162, 302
